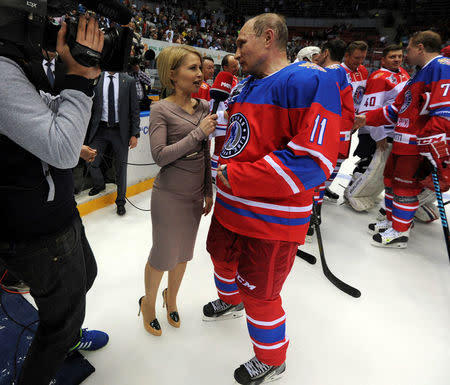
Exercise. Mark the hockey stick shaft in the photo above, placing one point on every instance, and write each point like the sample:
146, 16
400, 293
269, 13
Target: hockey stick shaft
326, 271
440, 201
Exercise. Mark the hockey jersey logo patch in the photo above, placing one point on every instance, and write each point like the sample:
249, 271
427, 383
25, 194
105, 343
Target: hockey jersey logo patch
239, 135
312, 66
393, 79
359, 93
444, 60
407, 102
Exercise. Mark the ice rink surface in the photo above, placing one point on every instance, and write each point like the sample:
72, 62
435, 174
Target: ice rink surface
397, 333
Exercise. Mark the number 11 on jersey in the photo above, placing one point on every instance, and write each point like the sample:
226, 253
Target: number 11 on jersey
323, 125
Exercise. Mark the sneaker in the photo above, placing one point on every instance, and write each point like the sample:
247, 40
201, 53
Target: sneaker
310, 234
91, 340
391, 238
331, 196
379, 227
219, 310
381, 216
255, 372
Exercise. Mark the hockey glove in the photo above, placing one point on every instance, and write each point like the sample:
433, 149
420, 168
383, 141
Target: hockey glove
435, 149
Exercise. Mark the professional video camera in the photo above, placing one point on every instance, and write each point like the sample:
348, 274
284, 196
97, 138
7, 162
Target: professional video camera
33, 25
140, 57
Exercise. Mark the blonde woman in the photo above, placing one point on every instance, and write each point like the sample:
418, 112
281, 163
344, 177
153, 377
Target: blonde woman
179, 130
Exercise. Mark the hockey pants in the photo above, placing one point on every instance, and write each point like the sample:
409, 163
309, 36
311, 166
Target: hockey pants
253, 271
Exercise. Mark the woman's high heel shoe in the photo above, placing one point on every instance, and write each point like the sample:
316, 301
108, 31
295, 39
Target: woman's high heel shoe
173, 318
152, 327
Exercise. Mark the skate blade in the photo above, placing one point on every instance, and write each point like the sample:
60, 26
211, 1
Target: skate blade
232, 315
399, 245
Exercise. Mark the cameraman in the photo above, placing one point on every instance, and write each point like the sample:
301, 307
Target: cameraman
42, 239
143, 83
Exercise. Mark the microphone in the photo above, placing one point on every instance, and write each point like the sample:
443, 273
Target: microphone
221, 89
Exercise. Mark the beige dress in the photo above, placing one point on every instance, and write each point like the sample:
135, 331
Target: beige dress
181, 149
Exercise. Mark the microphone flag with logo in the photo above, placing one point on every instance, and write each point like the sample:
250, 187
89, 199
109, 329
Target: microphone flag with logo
221, 89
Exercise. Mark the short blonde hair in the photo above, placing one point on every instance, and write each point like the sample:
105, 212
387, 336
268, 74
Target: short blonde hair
170, 59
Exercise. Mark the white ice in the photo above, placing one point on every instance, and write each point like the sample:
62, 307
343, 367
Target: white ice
397, 333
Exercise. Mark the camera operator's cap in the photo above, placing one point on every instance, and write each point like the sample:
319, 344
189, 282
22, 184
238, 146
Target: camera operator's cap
308, 52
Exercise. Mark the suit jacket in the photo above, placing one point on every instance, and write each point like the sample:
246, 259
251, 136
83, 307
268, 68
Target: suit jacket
129, 114
40, 79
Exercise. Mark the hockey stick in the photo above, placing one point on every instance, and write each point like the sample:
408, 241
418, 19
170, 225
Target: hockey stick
331, 277
437, 190
306, 256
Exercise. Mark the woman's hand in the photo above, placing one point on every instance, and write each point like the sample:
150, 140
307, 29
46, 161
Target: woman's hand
208, 125
208, 205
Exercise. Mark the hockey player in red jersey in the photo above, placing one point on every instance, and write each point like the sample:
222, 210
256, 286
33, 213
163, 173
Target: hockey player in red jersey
382, 88
421, 115
282, 141
357, 76
208, 73
330, 57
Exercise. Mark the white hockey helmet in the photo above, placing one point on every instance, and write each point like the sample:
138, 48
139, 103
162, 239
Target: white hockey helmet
308, 53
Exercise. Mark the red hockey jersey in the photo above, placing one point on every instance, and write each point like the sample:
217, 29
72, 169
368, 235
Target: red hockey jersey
282, 141
422, 109
203, 92
382, 88
358, 80
348, 108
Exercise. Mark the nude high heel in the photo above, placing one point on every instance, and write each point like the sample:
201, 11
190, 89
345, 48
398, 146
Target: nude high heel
152, 327
173, 318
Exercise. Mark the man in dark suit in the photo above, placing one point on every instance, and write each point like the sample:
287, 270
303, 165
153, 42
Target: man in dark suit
48, 74
115, 120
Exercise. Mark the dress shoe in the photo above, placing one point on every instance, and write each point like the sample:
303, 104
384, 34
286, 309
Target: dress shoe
121, 210
152, 327
173, 318
96, 190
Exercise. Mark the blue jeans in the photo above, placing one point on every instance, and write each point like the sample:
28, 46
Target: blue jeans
59, 269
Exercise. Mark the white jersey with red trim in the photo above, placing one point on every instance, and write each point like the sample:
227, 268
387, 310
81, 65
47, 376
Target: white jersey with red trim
358, 80
382, 88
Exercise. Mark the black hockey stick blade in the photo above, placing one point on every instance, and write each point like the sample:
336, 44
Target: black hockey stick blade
306, 256
350, 290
